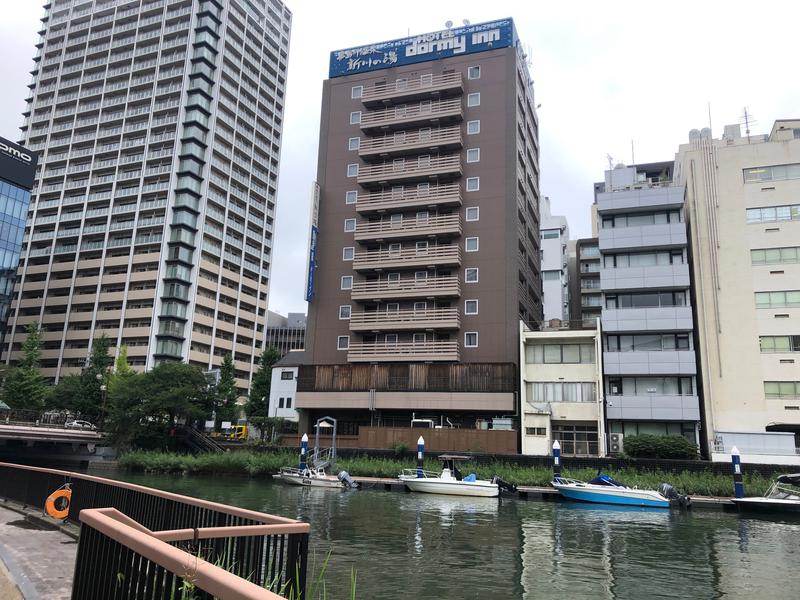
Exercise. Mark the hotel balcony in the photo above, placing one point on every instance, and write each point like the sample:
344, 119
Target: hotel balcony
400, 143
414, 89
653, 408
428, 288
436, 350
448, 194
401, 170
435, 256
409, 228
405, 320
401, 117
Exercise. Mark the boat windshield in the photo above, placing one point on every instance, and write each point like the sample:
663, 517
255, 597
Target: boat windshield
790, 478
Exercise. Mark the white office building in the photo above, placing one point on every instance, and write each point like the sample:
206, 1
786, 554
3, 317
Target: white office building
555, 273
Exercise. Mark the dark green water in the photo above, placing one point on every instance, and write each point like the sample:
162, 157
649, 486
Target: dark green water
425, 546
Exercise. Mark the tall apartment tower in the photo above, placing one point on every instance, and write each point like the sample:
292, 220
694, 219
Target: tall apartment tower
427, 251
555, 263
743, 202
649, 358
159, 124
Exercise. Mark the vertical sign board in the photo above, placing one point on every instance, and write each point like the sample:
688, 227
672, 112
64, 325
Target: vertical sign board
17, 164
312, 244
429, 46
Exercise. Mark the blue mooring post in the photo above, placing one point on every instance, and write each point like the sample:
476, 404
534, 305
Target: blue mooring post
738, 483
303, 451
556, 459
420, 457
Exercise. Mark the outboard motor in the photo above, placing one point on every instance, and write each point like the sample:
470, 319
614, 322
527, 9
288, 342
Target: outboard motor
504, 485
345, 478
675, 498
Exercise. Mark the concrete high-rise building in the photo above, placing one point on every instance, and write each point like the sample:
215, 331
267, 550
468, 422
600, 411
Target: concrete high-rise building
586, 299
17, 173
159, 124
286, 333
647, 320
743, 207
427, 254
555, 261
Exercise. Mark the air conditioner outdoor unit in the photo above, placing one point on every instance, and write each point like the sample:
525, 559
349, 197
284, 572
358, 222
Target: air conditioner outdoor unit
616, 444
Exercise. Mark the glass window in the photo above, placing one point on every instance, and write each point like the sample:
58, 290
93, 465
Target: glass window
471, 339
473, 127
355, 117
343, 342
348, 253
473, 184
472, 213
349, 225
470, 307
474, 99
473, 155
344, 311
571, 354
352, 170
356, 91
474, 72
347, 282
471, 244
351, 197
552, 353
471, 275
353, 143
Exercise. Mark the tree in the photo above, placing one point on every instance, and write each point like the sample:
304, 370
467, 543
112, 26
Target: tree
144, 411
122, 376
225, 392
121, 366
95, 375
258, 399
67, 395
24, 386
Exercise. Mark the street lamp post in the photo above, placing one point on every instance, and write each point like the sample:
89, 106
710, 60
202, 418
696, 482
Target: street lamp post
103, 393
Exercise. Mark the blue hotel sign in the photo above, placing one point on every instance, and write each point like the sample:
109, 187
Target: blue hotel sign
428, 46
312, 263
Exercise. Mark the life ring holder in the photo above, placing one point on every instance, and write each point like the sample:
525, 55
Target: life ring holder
57, 503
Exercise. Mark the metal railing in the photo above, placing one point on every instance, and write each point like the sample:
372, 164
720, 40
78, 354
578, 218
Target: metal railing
435, 195
407, 258
437, 350
409, 227
429, 318
405, 115
406, 288
404, 142
254, 547
411, 169
411, 87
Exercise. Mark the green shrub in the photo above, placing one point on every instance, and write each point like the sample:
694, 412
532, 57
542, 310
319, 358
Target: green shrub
400, 448
660, 446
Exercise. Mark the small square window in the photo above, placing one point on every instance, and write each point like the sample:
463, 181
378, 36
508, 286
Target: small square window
391, 338
344, 312
343, 342
355, 117
470, 275
347, 282
287, 375
470, 307
473, 184
473, 127
474, 73
473, 213
473, 155
353, 143
352, 170
471, 244
349, 225
348, 253
474, 99
288, 403
351, 197
471, 339
356, 91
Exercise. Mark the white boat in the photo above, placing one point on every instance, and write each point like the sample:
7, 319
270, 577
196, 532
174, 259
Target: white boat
450, 481
782, 496
604, 490
310, 478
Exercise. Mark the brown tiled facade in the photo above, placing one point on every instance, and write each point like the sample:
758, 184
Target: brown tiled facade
428, 246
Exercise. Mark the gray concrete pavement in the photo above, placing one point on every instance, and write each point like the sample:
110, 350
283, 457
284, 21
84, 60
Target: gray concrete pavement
39, 561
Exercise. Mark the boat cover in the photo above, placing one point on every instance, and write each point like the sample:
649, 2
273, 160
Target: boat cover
791, 478
603, 479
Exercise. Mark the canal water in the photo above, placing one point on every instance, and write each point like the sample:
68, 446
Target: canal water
423, 546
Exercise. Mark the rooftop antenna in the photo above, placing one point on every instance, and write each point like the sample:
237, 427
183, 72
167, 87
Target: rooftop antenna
610, 160
633, 156
448, 24
466, 22
747, 119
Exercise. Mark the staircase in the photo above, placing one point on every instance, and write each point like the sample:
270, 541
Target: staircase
199, 442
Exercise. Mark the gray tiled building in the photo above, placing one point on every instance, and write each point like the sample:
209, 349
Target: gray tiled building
648, 348
159, 126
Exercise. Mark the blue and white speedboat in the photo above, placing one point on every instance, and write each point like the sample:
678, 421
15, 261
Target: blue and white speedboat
604, 490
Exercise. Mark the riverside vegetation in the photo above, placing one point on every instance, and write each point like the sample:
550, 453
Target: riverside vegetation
264, 464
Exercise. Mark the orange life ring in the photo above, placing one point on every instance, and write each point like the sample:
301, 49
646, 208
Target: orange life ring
57, 503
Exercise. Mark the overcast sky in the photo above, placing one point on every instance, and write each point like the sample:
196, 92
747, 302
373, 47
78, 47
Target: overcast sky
605, 73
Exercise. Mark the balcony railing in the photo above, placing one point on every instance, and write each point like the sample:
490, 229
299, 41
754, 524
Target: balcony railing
430, 287
415, 88
412, 227
434, 196
437, 350
409, 170
408, 258
395, 144
402, 116
405, 320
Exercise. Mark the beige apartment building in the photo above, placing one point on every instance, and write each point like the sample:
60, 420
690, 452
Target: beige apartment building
158, 124
427, 254
743, 212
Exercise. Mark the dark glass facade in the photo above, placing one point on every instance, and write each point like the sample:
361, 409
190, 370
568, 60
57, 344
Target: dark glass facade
14, 203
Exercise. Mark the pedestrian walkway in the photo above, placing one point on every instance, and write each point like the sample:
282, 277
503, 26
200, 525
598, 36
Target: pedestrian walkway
39, 561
